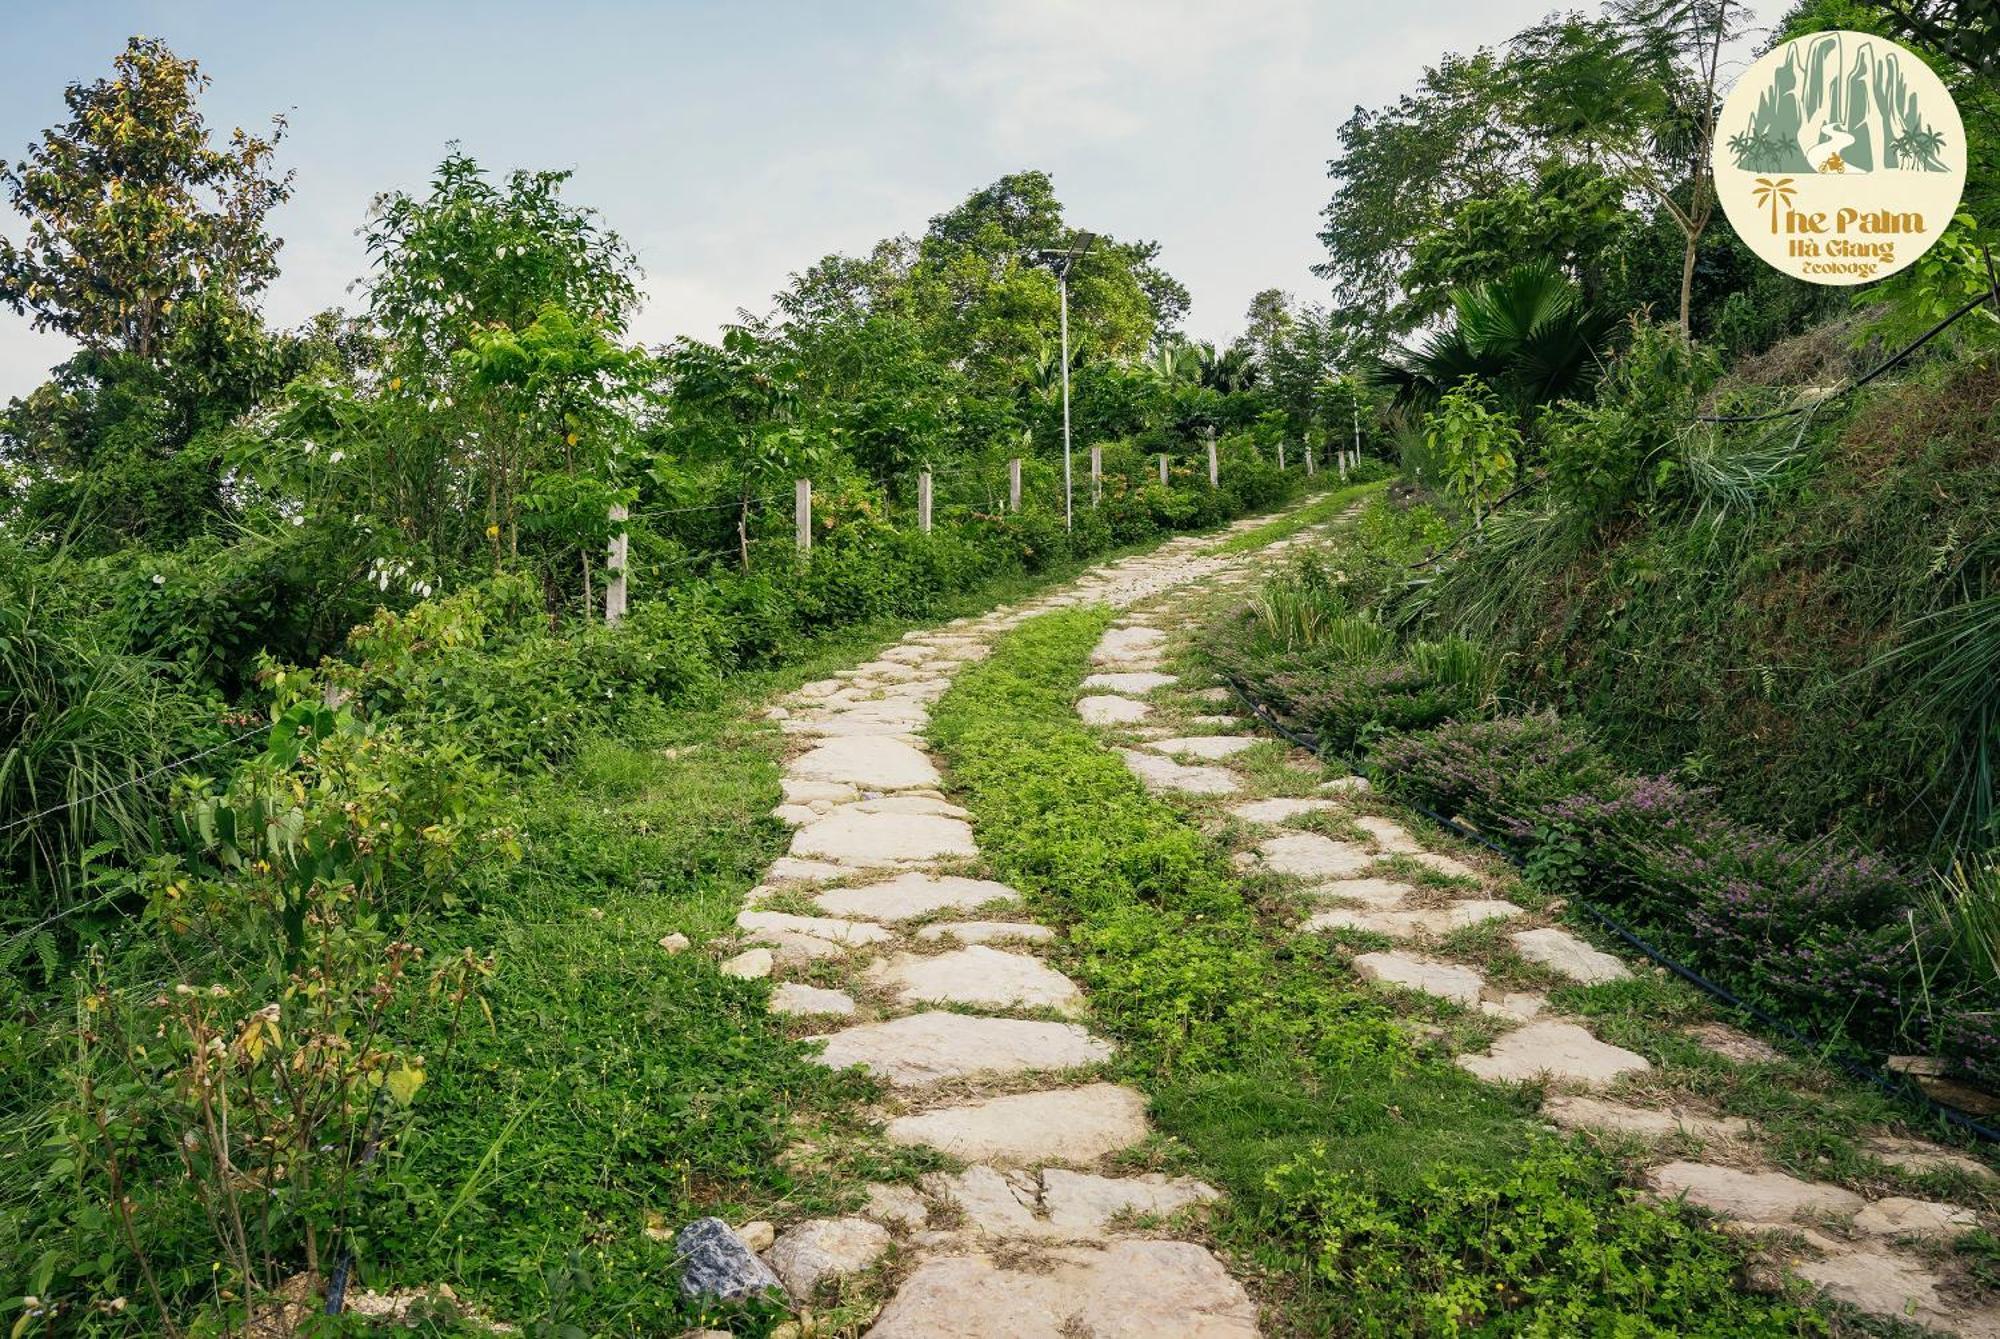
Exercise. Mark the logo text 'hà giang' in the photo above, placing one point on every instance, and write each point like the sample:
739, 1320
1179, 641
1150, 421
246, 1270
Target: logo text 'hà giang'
1844, 157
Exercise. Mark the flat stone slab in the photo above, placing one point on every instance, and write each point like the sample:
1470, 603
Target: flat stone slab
1130, 681
1757, 1197
923, 1048
988, 932
1210, 747
896, 1206
751, 965
791, 869
1346, 785
850, 837
1391, 836
1410, 924
1081, 1205
1447, 980
1219, 693
867, 761
1445, 865
1109, 709
1157, 774
1077, 1125
1563, 1051
1308, 855
977, 975
1277, 811
1368, 891
1596, 1113
1884, 1284
1566, 955
853, 727
807, 792
908, 896
794, 998
1921, 1156
826, 1248
1126, 1290
1731, 1044
830, 928
1901, 1216
1119, 645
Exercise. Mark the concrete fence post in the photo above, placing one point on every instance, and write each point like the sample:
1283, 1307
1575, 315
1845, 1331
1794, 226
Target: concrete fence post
1281, 457
1309, 460
802, 513
924, 501
1096, 475
1014, 484
1214, 470
615, 564
1163, 469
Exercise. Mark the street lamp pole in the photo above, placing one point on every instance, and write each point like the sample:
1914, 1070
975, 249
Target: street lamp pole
1062, 262
1062, 282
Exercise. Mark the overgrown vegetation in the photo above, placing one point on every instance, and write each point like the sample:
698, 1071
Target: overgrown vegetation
1375, 1189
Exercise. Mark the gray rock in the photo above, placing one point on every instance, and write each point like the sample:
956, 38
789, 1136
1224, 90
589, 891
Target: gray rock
715, 1263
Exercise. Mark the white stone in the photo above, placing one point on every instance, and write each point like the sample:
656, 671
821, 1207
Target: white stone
757, 1235
1230, 721
1142, 681
1390, 836
751, 964
1078, 1125
1083, 1206
867, 761
1519, 1005
910, 804
923, 1048
1308, 855
829, 928
790, 869
1446, 865
1126, 1290
1346, 785
1565, 954
896, 1206
1409, 924
675, 942
1108, 709
1158, 774
908, 896
1731, 1044
1922, 1156
1277, 811
1901, 1216
1884, 1284
977, 975
806, 792
1211, 747
1122, 645
1600, 1114
987, 932
1447, 980
1758, 1197
826, 1248
850, 837
1563, 1051
793, 998
1378, 894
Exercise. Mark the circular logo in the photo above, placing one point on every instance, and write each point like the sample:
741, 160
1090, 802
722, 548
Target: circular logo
1839, 158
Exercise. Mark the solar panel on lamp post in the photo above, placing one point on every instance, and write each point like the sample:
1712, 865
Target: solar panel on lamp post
1062, 261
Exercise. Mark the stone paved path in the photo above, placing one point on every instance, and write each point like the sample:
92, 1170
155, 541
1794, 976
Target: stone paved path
1877, 1254
931, 979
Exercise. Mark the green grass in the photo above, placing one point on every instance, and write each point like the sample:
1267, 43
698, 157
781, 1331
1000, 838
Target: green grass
1320, 510
1373, 1188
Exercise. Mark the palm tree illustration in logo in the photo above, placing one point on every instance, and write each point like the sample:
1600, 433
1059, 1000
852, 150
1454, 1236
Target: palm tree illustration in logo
1774, 193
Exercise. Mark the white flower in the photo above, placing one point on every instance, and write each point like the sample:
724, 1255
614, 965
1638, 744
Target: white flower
159, 579
311, 447
299, 519
337, 457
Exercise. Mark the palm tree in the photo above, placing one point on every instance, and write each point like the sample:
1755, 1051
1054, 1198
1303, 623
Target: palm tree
1528, 334
1774, 193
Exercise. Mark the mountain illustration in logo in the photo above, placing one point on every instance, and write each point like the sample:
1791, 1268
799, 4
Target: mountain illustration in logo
1839, 102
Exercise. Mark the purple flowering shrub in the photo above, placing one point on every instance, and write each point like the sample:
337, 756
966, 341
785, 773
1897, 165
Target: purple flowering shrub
1822, 934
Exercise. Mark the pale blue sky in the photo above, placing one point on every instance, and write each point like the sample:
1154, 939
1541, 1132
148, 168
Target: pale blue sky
733, 144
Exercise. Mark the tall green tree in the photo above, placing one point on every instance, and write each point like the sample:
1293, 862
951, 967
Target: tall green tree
134, 214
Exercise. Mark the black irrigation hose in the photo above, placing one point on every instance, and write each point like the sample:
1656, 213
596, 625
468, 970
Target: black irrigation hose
1893, 1086
1880, 369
